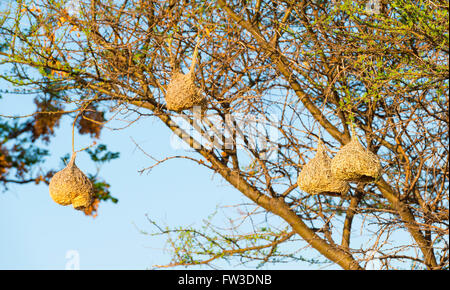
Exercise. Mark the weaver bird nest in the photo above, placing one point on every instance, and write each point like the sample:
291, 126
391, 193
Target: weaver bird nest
71, 186
182, 93
354, 163
316, 176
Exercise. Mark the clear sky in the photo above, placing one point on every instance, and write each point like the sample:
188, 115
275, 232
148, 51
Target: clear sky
37, 233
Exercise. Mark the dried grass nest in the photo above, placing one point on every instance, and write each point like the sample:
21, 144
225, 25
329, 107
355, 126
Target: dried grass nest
182, 93
71, 186
354, 163
316, 176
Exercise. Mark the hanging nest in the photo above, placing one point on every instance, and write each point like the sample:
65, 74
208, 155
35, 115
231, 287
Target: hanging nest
182, 93
316, 176
71, 186
354, 163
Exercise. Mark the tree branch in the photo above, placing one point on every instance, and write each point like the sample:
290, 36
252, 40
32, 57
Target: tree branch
282, 64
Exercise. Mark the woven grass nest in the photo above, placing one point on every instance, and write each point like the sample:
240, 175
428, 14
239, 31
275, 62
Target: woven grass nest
354, 163
71, 186
316, 176
182, 93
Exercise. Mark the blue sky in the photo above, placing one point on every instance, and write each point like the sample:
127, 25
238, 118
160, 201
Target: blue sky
36, 233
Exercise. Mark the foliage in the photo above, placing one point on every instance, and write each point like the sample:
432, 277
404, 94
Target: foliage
317, 67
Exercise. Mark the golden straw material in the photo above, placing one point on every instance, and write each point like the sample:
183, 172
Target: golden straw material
316, 176
355, 163
71, 186
182, 93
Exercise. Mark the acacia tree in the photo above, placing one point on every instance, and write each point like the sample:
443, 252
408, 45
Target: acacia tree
319, 67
